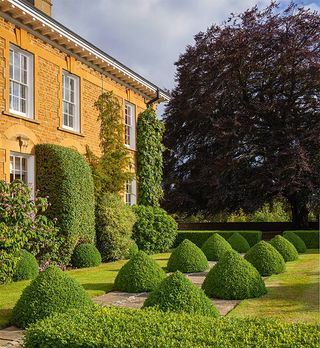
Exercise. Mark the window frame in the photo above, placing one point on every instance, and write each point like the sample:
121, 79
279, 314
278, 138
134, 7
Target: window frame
130, 128
30, 173
76, 103
29, 100
131, 196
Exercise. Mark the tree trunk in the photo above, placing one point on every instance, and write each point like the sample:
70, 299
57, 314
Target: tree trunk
299, 214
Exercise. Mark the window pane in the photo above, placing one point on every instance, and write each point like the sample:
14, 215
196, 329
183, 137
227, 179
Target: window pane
17, 164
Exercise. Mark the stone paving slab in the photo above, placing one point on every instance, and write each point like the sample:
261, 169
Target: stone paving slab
11, 337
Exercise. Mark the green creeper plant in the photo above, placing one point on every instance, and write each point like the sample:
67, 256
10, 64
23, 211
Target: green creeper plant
150, 132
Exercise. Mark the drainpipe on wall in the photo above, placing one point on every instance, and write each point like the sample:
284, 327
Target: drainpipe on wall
154, 100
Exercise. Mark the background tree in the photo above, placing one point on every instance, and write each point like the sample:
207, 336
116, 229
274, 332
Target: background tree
150, 158
244, 122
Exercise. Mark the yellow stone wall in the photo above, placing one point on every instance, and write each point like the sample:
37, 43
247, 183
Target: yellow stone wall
46, 127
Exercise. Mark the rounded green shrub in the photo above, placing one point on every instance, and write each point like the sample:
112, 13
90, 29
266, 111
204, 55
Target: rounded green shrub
176, 293
52, 291
27, 267
215, 246
155, 230
114, 222
133, 249
298, 243
187, 258
86, 255
141, 273
233, 278
266, 259
285, 248
65, 177
239, 243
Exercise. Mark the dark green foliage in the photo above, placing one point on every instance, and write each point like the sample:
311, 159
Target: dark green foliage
215, 246
187, 258
141, 273
266, 259
199, 237
114, 327
65, 177
285, 248
155, 230
310, 237
296, 241
27, 267
239, 243
110, 171
233, 278
176, 293
52, 291
86, 255
149, 157
114, 222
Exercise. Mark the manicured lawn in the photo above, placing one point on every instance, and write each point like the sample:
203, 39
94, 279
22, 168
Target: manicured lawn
96, 281
292, 296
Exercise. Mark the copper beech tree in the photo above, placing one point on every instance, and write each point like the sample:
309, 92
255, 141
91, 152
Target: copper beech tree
243, 125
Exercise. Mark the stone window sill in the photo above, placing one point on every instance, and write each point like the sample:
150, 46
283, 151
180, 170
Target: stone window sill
31, 120
70, 131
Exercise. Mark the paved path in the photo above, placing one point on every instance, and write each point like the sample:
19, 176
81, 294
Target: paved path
11, 337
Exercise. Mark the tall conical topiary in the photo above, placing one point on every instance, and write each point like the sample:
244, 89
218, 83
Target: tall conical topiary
27, 267
141, 273
298, 242
178, 294
233, 278
266, 259
215, 246
239, 243
187, 258
285, 248
52, 291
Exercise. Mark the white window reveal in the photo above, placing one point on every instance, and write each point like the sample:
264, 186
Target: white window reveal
22, 168
131, 192
130, 126
70, 100
21, 82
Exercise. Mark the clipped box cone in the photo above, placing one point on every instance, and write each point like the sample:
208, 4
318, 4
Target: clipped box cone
285, 248
239, 243
298, 242
215, 246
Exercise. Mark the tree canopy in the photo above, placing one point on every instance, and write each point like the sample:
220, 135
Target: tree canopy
243, 124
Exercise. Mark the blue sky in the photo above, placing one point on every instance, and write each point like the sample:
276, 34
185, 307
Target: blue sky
149, 35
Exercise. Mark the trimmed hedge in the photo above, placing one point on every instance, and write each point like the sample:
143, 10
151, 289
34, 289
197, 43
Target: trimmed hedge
187, 258
119, 328
177, 293
65, 177
141, 273
266, 259
133, 249
285, 248
233, 278
239, 243
310, 237
86, 255
298, 243
26, 268
155, 230
215, 247
52, 291
199, 237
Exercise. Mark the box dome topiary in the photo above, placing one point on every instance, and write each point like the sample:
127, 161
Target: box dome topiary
285, 248
141, 273
298, 242
239, 243
52, 291
27, 267
176, 293
266, 259
187, 258
215, 246
86, 255
233, 278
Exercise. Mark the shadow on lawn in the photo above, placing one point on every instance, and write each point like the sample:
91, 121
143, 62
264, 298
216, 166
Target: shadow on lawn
5, 315
106, 287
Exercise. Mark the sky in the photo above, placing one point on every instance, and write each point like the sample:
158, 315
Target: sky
149, 35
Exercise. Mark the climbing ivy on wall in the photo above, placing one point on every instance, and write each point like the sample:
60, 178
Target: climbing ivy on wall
111, 170
150, 132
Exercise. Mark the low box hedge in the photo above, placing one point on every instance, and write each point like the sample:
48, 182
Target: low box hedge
120, 328
199, 237
310, 237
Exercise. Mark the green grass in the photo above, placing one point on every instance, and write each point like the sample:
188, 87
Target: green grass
96, 281
292, 296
